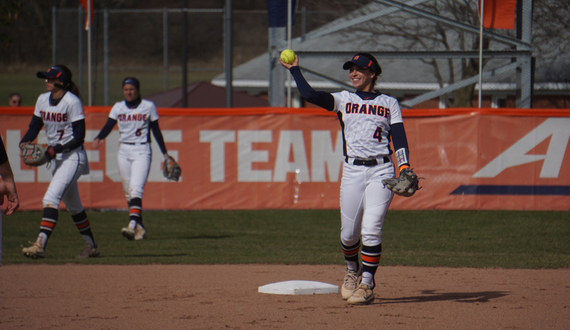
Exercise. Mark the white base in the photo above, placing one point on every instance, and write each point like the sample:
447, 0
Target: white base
298, 287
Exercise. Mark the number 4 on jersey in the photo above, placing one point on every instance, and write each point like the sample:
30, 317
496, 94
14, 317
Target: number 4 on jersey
378, 134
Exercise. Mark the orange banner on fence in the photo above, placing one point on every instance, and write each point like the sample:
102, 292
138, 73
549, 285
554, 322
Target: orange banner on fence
280, 158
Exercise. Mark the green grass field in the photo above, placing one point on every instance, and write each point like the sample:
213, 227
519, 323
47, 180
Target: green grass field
505, 239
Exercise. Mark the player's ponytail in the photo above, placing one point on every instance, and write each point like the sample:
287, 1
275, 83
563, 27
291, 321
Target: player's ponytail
68, 84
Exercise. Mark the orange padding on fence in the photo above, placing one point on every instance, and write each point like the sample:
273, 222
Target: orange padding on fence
279, 158
319, 111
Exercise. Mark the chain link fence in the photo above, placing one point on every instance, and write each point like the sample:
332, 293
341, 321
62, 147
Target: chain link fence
147, 43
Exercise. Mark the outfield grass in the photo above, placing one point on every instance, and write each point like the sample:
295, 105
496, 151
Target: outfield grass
504, 239
30, 87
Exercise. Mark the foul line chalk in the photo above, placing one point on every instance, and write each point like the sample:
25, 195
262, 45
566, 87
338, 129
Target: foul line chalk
298, 288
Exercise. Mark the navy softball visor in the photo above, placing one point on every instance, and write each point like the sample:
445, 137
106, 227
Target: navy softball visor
54, 73
363, 62
131, 81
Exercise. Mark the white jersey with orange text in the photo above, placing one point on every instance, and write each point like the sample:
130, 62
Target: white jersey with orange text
134, 123
366, 123
58, 118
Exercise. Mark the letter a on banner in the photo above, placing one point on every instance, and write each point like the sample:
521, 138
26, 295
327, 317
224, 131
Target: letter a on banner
554, 128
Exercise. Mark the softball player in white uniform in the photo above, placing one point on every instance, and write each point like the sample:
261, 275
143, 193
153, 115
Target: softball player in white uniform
369, 120
61, 112
136, 118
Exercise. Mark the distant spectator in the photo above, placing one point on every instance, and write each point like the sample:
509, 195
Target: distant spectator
15, 100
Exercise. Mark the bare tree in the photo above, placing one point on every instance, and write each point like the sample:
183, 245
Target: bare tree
550, 43
420, 34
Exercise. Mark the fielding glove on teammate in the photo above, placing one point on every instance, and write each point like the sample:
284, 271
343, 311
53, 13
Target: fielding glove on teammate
171, 170
37, 154
405, 185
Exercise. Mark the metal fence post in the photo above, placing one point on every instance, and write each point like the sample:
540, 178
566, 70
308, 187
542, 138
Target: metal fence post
184, 54
54, 36
80, 43
165, 45
106, 53
524, 75
228, 52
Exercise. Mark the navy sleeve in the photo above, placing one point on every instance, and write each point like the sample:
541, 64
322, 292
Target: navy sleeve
399, 138
3, 154
34, 129
158, 135
106, 129
322, 99
400, 142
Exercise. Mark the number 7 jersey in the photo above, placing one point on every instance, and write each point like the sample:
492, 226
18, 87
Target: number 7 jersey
58, 118
366, 123
134, 123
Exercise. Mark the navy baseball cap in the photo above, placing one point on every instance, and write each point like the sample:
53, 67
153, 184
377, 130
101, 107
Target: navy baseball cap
54, 72
364, 61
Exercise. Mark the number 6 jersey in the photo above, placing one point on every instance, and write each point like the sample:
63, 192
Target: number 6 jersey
134, 123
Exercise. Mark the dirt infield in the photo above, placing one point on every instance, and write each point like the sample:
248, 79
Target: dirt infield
226, 297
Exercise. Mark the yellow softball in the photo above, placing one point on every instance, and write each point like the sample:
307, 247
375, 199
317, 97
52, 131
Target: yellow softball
288, 56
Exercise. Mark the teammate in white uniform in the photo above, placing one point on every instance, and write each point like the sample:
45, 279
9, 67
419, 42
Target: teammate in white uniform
61, 112
369, 120
136, 118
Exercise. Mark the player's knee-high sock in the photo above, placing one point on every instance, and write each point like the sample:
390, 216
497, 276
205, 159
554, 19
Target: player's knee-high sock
82, 223
370, 261
351, 255
135, 212
49, 220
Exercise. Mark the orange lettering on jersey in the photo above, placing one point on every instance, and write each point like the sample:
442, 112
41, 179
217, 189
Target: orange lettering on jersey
354, 108
53, 116
132, 117
381, 110
367, 109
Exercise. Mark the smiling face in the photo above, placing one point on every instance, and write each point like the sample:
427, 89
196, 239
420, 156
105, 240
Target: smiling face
361, 79
130, 92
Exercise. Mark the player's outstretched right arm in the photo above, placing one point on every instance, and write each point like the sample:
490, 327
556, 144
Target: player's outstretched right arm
322, 99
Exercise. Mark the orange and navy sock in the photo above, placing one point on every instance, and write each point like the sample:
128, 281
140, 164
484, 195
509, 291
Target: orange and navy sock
49, 220
82, 223
135, 212
351, 255
370, 261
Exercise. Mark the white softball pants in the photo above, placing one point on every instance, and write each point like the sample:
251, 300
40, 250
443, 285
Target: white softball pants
134, 167
66, 169
364, 202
